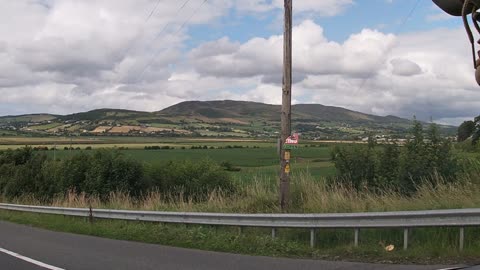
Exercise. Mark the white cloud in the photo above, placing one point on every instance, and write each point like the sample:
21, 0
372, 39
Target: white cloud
360, 55
424, 74
89, 54
405, 67
66, 56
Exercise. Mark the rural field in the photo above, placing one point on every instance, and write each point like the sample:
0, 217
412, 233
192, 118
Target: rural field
253, 162
234, 175
254, 158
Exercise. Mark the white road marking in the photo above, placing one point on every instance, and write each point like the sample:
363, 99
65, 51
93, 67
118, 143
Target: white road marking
32, 261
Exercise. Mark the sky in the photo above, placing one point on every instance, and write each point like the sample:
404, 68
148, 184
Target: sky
385, 57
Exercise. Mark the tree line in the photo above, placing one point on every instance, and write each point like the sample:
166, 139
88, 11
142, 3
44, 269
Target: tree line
25, 172
424, 157
469, 129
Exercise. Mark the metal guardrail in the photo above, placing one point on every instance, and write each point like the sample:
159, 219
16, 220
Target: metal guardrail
406, 219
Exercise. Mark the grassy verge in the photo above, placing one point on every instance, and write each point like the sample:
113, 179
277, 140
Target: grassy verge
331, 245
307, 196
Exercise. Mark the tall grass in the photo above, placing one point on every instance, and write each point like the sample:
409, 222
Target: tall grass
308, 195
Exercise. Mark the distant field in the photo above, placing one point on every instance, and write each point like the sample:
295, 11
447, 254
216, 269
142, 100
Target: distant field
62, 145
132, 145
47, 140
46, 126
253, 162
17, 140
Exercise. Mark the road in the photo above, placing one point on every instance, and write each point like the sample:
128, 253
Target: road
54, 250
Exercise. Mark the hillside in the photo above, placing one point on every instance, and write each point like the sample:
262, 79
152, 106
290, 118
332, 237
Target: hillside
244, 109
103, 114
27, 118
214, 118
224, 109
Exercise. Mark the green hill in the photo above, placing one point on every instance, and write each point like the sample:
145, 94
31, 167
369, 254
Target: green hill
217, 119
27, 118
245, 109
104, 114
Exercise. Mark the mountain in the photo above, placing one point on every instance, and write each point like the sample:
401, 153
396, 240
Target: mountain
246, 109
216, 118
104, 114
224, 109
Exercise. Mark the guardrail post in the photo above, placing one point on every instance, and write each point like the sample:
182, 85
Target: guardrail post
462, 238
274, 233
240, 230
357, 232
312, 238
90, 214
405, 238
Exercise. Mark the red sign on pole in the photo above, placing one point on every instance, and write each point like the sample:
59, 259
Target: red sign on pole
292, 139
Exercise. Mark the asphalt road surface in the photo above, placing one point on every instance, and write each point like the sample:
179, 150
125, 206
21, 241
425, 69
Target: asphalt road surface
27, 248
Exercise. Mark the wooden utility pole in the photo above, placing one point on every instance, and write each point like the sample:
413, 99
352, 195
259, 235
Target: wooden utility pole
286, 116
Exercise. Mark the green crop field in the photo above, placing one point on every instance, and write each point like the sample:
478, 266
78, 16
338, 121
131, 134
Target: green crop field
254, 158
46, 126
252, 162
15, 141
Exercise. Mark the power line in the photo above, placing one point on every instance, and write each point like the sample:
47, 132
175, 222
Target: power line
397, 30
153, 11
130, 47
140, 76
163, 28
408, 16
168, 23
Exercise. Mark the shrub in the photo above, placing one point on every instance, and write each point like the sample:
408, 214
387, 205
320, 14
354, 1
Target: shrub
25, 173
105, 171
154, 147
195, 180
110, 171
355, 165
404, 168
422, 158
229, 167
20, 172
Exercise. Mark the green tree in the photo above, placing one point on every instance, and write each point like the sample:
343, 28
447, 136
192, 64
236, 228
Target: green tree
388, 165
194, 180
413, 160
476, 132
27, 179
465, 130
424, 158
355, 165
71, 172
110, 171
